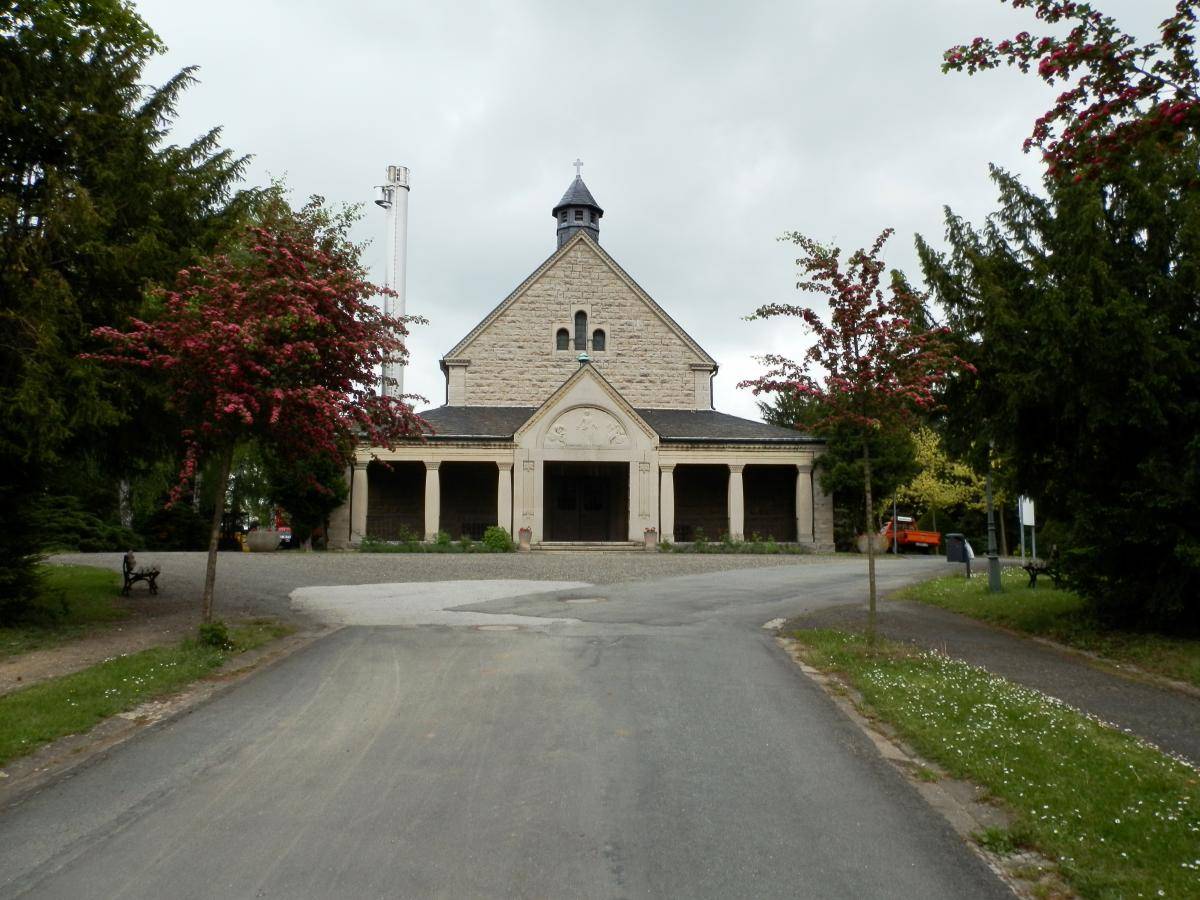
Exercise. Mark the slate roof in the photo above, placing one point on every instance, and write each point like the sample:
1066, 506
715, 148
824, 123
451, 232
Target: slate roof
578, 195
480, 423
476, 422
710, 426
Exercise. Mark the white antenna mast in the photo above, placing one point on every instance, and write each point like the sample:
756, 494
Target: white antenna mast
393, 197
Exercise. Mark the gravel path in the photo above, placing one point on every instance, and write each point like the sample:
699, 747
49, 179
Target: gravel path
260, 583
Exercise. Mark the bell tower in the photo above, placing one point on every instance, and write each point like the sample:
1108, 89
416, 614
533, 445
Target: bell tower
577, 210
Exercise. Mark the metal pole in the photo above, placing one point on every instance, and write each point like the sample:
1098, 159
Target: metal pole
993, 557
1033, 537
895, 526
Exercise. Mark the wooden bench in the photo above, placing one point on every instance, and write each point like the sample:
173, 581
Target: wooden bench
133, 574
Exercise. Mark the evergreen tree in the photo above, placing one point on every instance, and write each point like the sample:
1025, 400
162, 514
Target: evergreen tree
94, 207
1080, 310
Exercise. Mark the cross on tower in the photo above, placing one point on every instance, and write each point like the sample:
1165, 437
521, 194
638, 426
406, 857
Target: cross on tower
578, 164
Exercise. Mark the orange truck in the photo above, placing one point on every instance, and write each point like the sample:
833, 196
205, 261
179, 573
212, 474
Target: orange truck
908, 537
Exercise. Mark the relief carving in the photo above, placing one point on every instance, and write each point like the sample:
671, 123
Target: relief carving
586, 427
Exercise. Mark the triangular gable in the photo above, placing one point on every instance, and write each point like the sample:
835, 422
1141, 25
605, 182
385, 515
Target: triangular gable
458, 349
566, 388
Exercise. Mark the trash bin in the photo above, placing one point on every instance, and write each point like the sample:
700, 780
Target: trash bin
956, 548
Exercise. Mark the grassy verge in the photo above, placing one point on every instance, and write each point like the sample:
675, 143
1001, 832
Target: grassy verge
1061, 616
1118, 818
74, 703
72, 601
754, 546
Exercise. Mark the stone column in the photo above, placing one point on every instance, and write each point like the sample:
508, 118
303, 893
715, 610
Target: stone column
504, 498
358, 501
433, 498
804, 504
737, 503
666, 499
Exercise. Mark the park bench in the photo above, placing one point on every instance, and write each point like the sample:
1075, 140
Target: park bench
1047, 566
133, 574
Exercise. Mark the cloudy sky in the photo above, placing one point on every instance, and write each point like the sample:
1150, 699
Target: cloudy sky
707, 130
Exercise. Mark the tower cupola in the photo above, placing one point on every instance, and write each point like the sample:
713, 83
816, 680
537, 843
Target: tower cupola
577, 210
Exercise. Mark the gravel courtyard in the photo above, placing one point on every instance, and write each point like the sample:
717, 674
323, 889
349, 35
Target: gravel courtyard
260, 583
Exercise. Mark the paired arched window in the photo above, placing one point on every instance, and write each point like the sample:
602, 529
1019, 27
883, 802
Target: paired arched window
581, 330
598, 339
562, 340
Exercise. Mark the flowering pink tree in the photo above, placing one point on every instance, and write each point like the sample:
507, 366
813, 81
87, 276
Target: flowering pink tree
278, 342
871, 366
1118, 92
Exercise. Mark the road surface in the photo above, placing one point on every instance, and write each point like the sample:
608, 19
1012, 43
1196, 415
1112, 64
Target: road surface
649, 741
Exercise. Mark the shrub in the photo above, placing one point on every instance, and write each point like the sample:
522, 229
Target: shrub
442, 539
215, 634
497, 540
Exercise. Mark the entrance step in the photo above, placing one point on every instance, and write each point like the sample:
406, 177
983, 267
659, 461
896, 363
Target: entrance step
591, 546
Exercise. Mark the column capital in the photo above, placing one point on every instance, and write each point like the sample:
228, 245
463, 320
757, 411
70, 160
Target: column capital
432, 465
804, 468
736, 468
504, 465
361, 464
666, 467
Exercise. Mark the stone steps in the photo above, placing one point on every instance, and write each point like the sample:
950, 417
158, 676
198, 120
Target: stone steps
589, 546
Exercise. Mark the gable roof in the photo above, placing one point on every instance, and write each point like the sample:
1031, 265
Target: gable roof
501, 423
581, 236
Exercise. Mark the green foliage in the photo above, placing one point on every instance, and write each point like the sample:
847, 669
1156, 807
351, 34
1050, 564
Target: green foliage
756, 546
840, 467
308, 489
60, 523
179, 527
442, 539
497, 540
214, 634
1079, 310
94, 205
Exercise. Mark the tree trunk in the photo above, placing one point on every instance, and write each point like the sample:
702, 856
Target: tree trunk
870, 548
125, 502
214, 537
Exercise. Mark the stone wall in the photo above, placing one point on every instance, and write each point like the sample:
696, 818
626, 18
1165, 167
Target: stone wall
513, 362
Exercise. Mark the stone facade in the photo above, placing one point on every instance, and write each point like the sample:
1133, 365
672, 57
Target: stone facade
512, 360
620, 447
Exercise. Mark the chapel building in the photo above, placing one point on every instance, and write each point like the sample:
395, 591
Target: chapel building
580, 410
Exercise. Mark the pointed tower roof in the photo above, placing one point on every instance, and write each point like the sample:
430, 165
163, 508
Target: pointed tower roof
577, 210
577, 195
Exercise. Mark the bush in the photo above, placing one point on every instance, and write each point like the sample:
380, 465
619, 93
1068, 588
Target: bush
215, 634
61, 523
442, 539
179, 528
497, 540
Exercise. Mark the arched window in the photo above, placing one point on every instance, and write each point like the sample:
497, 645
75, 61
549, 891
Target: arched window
562, 340
581, 330
598, 339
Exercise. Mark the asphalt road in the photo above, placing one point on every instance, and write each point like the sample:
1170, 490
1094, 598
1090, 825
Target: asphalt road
656, 743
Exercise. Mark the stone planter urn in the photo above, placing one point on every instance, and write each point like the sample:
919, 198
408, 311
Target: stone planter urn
878, 540
651, 538
524, 537
262, 541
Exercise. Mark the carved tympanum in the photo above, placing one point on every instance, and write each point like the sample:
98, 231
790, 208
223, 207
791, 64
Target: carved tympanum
586, 426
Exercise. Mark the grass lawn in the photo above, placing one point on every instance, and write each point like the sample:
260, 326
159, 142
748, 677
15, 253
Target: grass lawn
73, 600
1117, 817
1061, 616
74, 703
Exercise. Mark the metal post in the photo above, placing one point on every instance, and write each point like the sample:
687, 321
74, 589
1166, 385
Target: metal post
993, 557
895, 527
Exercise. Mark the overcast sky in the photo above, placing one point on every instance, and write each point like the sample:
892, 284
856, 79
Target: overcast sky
707, 130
